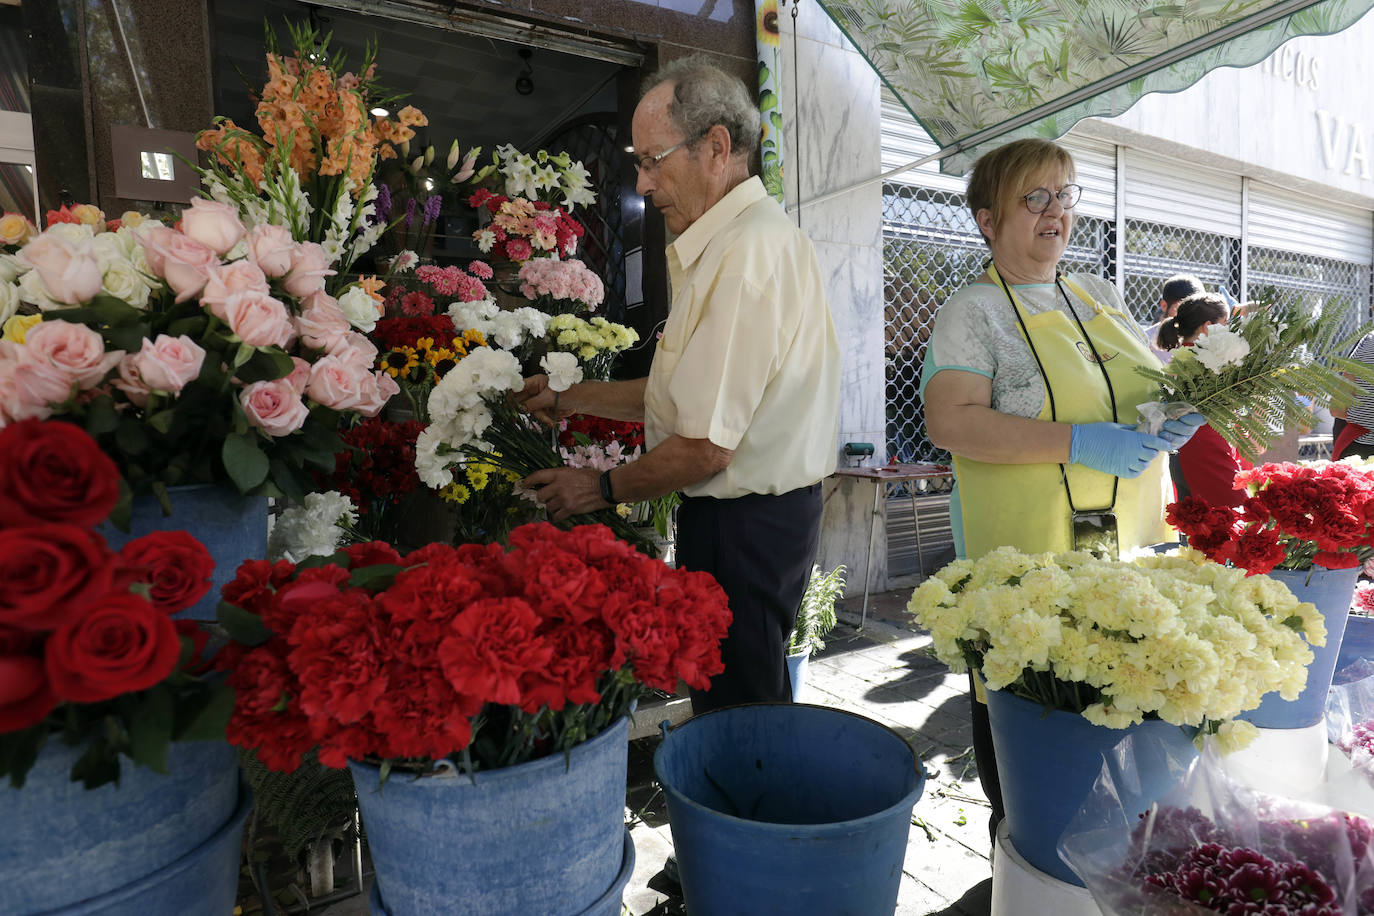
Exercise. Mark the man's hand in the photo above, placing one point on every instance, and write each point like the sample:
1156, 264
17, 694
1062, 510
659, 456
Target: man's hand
567, 491
537, 399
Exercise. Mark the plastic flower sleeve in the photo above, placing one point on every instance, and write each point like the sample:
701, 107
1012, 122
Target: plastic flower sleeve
1211, 844
1350, 728
1154, 413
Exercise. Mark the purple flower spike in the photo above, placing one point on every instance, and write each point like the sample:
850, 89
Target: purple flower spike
432, 206
382, 207
410, 212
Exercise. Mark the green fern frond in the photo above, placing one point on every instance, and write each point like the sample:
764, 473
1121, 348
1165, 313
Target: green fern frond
313, 803
1291, 353
816, 617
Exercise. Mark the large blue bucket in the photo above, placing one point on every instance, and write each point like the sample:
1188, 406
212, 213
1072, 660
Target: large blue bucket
1048, 762
546, 837
233, 527
788, 809
62, 844
1331, 591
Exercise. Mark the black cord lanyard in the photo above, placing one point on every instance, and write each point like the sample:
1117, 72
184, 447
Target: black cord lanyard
1049, 392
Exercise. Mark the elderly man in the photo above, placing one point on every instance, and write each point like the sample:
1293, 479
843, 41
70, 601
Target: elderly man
741, 402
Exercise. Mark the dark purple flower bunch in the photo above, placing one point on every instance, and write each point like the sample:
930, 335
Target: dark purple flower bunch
431, 210
381, 208
1239, 881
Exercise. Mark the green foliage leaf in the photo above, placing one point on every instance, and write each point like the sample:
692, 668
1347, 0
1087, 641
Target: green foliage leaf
131, 437
162, 421
245, 462
19, 751
768, 99
242, 355
150, 729
265, 365
127, 337
243, 626
206, 718
101, 416
374, 577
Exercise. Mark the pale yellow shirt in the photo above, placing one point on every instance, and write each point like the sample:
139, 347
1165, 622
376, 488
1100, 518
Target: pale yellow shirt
749, 357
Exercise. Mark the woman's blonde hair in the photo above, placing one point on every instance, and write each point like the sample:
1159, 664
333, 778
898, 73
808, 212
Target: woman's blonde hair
1000, 177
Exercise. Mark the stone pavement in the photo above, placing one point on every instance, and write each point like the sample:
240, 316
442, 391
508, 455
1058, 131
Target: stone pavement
885, 672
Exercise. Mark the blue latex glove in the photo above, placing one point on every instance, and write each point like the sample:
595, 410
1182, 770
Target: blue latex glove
1178, 432
1114, 448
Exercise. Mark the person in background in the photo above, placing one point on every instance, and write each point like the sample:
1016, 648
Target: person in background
1207, 463
1029, 382
741, 405
1175, 290
1351, 427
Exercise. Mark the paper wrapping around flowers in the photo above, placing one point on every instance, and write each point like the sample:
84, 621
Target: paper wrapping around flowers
1155, 413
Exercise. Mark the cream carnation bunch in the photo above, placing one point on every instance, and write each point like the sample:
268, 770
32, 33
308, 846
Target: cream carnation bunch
1176, 638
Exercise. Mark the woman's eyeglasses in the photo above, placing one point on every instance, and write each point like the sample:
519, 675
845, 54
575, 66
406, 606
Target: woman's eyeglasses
1038, 201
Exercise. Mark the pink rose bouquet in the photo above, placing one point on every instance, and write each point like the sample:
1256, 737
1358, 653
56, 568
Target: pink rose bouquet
203, 354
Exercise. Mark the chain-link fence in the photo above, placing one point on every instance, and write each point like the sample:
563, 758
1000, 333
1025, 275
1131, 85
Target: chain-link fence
1154, 252
1309, 282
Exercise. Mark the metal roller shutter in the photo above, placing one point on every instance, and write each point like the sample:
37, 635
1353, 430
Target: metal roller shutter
1280, 218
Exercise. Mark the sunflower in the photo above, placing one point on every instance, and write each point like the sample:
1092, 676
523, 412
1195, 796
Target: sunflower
442, 361
424, 344
768, 23
473, 338
399, 361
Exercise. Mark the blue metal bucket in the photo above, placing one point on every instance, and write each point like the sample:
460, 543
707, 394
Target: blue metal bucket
1331, 591
787, 809
1048, 761
233, 527
1357, 643
63, 845
542, 837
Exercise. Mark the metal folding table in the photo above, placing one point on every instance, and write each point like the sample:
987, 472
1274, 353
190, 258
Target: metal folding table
918, 476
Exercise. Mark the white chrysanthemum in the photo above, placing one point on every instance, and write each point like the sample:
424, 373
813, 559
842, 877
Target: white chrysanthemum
11, 268
1221, 347
312, 529
563, 370
431, 466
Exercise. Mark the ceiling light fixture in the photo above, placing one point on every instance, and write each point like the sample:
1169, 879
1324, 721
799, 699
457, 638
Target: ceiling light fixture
380, 113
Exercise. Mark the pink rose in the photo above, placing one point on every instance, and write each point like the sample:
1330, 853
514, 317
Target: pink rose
375, 392
131, 383
309, 267
70, 273
258, 319
168, 363
213, 224
322, 323
73, 348
179, 259
337, 383
270, 247
227, 279
274, 407
300, 375
28, 389
356, 350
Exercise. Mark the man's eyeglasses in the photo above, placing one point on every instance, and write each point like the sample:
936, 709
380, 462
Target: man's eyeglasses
1038, 201
650, 164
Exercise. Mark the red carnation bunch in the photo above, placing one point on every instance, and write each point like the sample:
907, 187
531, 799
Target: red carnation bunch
580, 429
508, 656
1296, 516
79, 623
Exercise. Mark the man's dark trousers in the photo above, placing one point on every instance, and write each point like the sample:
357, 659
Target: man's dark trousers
760, 548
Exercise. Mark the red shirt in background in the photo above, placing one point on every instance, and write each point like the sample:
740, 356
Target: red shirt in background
1210, 465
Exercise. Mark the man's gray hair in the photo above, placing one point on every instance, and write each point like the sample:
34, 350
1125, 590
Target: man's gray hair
705, 95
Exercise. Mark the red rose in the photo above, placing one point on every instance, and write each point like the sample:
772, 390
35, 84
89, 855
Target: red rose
25, 697
175, 564
50, 575
122, 645
199, 637
54, 472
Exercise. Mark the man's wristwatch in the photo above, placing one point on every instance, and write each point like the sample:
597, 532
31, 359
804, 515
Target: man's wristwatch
606, 492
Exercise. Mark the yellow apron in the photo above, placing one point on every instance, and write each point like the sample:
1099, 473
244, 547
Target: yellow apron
1024, 505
